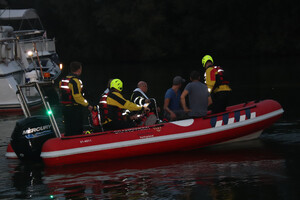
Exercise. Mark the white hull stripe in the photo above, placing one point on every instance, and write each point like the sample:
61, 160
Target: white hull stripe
186, 122
11, 155
177, 136
237, 118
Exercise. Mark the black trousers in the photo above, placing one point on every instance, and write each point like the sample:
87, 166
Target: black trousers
220, 101
73, 117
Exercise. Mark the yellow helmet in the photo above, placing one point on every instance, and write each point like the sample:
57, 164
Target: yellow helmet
205, 59
117, 84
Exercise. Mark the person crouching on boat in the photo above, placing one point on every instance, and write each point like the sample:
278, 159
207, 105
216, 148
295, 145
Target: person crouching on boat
199, 97
116, 103
73, 100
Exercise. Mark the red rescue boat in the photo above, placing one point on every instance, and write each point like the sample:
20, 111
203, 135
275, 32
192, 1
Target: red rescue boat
239, 122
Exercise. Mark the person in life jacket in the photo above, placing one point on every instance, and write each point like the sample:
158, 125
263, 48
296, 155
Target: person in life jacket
116, 104
73, 100
217, 84
103, 104
139, 97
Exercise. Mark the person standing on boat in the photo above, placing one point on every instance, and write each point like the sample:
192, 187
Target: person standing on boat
73, 100
199, 97
116, 104
172, 106
217, 84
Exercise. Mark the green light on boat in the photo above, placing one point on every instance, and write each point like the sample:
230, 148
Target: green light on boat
49, 112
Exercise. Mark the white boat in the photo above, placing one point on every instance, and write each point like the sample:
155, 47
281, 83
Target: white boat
26, 55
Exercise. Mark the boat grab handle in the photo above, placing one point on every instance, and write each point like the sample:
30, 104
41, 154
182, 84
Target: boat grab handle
222, 113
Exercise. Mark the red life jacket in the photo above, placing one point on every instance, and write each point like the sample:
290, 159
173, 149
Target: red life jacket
108, 112
103, 107
65, 92
220, 77
114, 112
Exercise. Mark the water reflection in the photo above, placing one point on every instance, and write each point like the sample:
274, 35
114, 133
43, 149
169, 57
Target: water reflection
27, 180
209, 174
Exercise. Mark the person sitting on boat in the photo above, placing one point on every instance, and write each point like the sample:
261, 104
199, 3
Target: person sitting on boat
73, 100
103, 107
172, 106
116, 103
217, 84
199, 97
139, 97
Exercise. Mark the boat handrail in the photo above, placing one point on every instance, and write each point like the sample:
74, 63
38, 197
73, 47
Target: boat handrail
44, 46
24, 106
114, 131
229, 111
41, 83
35, 39
28, 32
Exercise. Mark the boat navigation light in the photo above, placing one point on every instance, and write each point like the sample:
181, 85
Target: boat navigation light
60, 66
49, 112
29, 53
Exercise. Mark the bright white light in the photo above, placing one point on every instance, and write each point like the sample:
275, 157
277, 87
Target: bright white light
29, 53
60, 66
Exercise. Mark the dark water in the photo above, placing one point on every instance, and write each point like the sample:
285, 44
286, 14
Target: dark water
266, 168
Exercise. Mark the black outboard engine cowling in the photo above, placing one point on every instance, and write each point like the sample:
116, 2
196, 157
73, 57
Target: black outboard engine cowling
29, 136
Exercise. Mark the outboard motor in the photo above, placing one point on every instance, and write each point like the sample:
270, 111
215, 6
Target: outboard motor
29, 136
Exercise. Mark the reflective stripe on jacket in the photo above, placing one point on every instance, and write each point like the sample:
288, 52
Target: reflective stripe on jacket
116, 103
70, 88
215, 80
138, 98
104, 109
